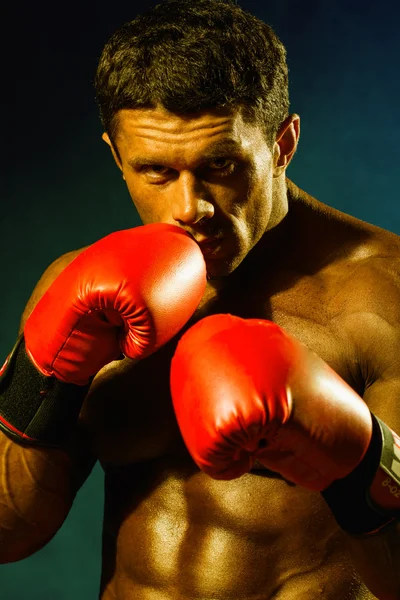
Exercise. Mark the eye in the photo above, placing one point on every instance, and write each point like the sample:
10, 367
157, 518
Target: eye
220, 163
222, 166
155, 169
156, 173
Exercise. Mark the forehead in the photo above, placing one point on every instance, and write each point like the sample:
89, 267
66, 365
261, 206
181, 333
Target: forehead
160, 132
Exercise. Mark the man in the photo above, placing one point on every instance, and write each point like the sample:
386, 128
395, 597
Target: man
243, 295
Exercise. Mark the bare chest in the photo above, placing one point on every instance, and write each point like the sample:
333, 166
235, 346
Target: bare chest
255, 536
128, 413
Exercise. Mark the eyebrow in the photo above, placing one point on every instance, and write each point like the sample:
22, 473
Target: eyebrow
217, 150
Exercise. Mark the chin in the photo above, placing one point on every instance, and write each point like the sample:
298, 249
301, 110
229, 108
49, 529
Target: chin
222, 267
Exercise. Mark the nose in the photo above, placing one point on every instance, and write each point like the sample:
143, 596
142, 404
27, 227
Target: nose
191, 201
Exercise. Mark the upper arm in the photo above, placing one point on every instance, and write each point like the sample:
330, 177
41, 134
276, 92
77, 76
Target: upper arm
370, 321
382, 359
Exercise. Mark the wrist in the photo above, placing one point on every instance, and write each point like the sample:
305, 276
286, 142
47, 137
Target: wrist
36, 409
368, 499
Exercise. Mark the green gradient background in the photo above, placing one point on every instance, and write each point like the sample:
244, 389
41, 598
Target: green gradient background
60, 189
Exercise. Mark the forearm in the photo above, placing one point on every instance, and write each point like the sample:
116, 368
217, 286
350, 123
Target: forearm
36, 493
366, 506
377, 559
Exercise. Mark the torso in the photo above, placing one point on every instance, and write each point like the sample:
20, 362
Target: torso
173, 533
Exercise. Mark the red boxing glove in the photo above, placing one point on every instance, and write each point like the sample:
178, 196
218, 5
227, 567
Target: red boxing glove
131, 291
245, 390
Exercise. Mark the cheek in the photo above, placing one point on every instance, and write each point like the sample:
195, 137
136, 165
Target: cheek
149, 206
258, 190
259, 206
237, 196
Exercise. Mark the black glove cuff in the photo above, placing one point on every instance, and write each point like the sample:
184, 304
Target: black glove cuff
35, 409
348, 498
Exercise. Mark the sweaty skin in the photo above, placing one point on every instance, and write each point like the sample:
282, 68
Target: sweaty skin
170, 531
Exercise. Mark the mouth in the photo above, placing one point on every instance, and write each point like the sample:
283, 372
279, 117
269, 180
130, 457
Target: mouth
204, 239
209, 246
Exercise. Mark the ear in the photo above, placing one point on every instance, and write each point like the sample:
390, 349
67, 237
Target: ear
285, 144
106, 138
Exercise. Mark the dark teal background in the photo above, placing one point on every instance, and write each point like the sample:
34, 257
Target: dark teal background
60, 189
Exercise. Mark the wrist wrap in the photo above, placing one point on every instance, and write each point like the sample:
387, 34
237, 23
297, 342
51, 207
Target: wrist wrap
368, 499
35, 409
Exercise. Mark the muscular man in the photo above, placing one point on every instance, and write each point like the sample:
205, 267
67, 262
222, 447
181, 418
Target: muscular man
297, 323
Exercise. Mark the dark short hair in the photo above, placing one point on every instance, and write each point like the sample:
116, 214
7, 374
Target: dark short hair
193, 56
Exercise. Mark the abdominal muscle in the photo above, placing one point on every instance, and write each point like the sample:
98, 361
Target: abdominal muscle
173, 533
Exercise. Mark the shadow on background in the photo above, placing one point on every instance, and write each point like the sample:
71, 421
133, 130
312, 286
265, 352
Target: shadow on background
60, 189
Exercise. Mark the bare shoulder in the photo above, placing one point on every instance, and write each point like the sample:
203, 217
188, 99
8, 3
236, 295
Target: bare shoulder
365, 312
369, 279
45, 281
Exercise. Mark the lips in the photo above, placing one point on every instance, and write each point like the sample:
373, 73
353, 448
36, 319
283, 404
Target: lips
210, 246
207, 241
205, 236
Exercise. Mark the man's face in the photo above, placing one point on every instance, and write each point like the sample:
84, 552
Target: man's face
211, 174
